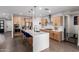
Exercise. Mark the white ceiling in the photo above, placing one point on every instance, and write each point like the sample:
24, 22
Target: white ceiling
7, 11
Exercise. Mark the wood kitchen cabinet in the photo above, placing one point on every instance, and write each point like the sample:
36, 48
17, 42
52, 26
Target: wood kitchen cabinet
44, 22
57, 20
21, 20
54, 34
28, 22
18, 20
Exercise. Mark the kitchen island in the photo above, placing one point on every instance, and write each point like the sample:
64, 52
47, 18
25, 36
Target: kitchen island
40, 40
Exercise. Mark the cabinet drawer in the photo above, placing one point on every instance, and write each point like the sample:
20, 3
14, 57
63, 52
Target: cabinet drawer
57, 36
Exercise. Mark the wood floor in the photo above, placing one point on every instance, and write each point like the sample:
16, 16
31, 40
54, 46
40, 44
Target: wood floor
56, 46
7, 44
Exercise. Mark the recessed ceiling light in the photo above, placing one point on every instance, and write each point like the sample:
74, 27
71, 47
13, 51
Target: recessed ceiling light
49, 11
3, 14
40, 8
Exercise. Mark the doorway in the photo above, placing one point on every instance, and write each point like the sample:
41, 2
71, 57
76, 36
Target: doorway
69, 30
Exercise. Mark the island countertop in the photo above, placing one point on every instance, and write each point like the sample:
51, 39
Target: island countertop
31, 32
40, 40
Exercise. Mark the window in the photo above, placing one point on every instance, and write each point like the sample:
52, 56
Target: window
75, 20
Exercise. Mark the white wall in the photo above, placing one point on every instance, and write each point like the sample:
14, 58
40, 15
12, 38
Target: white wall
71, 27
70, 24
36, 25
36, 22
12, 27
8, 25
74, 27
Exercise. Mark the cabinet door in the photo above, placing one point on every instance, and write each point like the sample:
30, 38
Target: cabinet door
15, 20
51, 35
44, 22
59, 36
60, 20
55, 35
57, 20
54, 21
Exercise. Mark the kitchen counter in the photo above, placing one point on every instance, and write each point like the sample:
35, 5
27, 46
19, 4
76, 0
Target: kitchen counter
54, 34
52, 30
31, 32
57, 30
40, 40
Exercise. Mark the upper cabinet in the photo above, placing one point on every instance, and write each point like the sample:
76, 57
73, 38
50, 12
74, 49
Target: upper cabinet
18, 20
15, 20
28, 22
44, 22
21, 20
57, 20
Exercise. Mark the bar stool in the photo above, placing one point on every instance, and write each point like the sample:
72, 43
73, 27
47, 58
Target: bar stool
27, 38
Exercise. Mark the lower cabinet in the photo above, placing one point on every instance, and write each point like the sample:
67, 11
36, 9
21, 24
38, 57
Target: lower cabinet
54, 34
